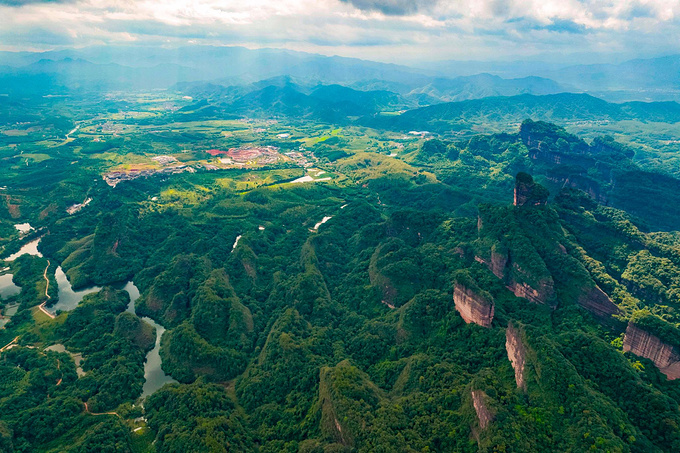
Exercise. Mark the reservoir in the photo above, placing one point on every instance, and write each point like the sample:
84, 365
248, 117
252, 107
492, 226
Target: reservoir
154, 376
7, 286
30, 248
68, 298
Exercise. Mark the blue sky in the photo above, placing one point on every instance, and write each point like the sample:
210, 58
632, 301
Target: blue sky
386, 30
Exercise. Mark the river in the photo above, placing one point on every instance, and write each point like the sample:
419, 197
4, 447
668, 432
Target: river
68, 298
154, 376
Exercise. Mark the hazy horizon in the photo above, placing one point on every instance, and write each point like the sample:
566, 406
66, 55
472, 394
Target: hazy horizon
393, 31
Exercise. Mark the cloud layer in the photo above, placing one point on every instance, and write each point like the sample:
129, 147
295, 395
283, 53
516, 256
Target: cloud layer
390, 30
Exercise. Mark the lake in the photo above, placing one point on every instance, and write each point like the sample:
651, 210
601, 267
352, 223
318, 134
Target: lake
154, 376
7, 286
68, 298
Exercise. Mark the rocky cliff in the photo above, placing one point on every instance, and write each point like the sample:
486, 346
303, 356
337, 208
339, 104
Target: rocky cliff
528, 192
582, 182
484, 416
472, 306
516, 354
542, 293
598, 303
644, 344
501, 264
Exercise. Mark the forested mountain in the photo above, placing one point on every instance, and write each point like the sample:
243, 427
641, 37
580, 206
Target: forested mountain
513, 291
506, 110
233, 68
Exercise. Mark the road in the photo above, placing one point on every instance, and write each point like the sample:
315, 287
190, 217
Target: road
87, 409
9, 344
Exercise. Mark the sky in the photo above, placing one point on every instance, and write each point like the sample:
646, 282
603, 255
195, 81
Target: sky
400, 31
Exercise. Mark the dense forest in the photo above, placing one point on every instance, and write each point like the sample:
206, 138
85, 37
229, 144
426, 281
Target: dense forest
466, 295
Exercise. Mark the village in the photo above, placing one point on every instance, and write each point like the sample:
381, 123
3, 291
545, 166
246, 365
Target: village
216, 159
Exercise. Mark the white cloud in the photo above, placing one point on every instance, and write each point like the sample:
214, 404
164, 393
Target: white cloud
380, 29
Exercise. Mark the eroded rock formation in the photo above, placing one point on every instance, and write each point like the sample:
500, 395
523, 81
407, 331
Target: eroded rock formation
500, 263
529, 193
484, 416
644, 344
473, 307
516, 354
542, 294
598, 303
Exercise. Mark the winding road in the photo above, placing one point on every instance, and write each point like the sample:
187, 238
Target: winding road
87, 409
9, 344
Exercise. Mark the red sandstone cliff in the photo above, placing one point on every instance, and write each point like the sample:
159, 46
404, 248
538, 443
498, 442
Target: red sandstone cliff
473, 307
529, 193
649, 346
516, 354
542, 293
484, 416
500, 263
598, 303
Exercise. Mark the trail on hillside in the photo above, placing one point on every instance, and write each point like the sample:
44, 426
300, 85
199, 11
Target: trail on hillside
87, 409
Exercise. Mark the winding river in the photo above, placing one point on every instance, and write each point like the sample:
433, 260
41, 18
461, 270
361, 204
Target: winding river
154, 376
68, 298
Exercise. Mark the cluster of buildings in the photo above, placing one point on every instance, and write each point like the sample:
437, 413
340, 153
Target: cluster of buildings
115, 177
299, 159
164, 160
78, 206
240, 156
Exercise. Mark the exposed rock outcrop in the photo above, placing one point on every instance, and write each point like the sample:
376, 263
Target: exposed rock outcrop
516, 354
501, 264
498, 263
472, 306
581, 182
529, 193
484, 415
598, 303
645, 344
542, 293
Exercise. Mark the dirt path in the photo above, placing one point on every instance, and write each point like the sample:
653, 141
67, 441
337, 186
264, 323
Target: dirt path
9, 344
87, 409
47, 287
62, 374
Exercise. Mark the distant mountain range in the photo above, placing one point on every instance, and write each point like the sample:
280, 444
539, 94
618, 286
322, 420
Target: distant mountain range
232, 71
652, 79
559, 108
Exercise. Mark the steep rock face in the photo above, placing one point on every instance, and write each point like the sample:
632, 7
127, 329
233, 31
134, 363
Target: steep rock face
484, 416
541, 294
598, 303
649, 346
581, 182
516, 354
529, 193
499, 261
473, 307
560, 158
500, 264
